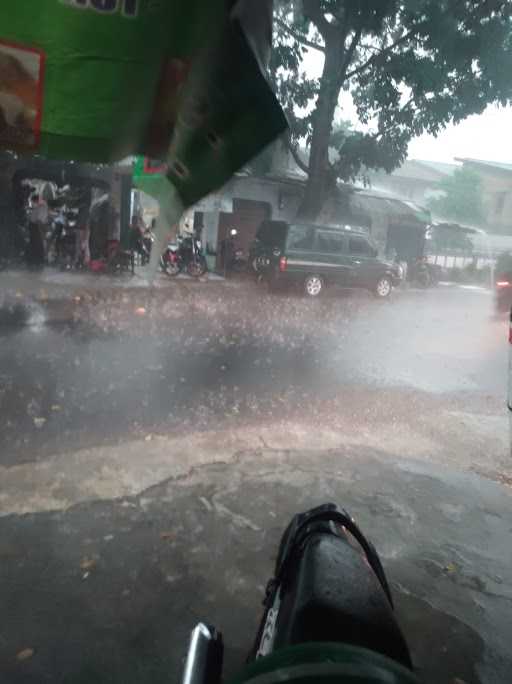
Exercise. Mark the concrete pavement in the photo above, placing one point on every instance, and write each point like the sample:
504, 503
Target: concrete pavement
108, 591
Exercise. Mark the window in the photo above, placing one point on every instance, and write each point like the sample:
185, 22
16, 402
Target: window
359, 246
330, 242
272, 232
301, 237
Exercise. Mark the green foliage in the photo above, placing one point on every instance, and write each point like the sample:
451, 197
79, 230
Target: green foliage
462, 198
410, 66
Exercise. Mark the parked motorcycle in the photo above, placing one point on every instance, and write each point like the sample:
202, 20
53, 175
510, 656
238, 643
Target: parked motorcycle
328, 613
170, 261
422, 273
187, 254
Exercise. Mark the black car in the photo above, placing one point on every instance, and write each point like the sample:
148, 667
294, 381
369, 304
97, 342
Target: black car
315, 256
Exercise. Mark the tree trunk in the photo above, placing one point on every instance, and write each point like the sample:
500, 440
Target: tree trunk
320, 179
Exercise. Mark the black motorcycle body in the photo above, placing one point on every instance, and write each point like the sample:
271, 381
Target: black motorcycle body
420, 274
329, 595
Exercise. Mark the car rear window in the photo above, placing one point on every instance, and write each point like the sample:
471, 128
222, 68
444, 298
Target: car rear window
272, 232
301, 237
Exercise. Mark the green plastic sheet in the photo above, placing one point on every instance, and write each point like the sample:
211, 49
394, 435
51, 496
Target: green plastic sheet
181, 81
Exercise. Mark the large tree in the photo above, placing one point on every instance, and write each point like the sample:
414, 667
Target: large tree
461, 198
410, 67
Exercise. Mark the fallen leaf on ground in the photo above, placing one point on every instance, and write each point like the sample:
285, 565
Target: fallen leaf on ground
25, 654
148, 438
451, 567
168, 535
140, 311
87, 564
56, 407
39, 422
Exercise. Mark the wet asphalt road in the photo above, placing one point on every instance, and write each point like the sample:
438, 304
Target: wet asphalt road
104, 367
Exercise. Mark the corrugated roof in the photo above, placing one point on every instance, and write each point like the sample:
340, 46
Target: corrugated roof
502, 166
441, 167
418, 170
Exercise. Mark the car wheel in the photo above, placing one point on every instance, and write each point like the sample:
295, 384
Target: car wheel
260, 264
313, 285
383, 287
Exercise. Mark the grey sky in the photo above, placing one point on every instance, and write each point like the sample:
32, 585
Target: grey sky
487, 136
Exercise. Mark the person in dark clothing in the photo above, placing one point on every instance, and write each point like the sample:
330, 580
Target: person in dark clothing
38, 217
227, 250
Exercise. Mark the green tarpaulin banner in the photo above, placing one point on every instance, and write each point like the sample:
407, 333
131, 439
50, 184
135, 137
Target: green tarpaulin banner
176, 80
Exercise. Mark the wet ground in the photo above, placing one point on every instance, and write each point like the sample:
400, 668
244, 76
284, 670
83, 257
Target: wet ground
138, 427
102, 367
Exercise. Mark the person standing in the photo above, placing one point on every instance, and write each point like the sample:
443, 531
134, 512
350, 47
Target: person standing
37, 222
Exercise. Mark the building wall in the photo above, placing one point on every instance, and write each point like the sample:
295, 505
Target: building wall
230, 207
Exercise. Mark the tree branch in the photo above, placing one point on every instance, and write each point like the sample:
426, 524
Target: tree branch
313, 12
298, 37
375, 48
347, 58
379, 55
387, 129
295, 154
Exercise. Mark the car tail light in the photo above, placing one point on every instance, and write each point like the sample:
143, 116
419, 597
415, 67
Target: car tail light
503, 283
283, 264
510, 334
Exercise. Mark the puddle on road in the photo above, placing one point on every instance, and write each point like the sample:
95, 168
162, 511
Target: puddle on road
16, 316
